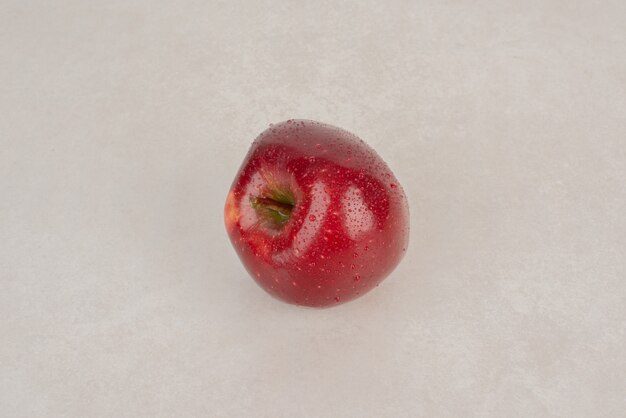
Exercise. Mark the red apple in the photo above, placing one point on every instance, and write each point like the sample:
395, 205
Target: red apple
315, 215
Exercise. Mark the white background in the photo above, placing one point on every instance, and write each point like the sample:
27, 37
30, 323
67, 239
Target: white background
123, 123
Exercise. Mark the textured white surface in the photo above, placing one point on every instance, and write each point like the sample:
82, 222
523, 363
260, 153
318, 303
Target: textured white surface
123, 123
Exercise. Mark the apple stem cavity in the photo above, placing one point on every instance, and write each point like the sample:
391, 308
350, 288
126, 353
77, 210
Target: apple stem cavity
275, 209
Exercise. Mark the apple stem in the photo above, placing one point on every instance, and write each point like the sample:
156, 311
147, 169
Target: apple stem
274, 210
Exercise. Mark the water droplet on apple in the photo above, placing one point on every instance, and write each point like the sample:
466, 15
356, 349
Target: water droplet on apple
352, 266
312, 218
336, 298
357, 277
393, 186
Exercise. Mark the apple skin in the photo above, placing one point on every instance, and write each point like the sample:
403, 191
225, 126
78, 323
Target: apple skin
315, 215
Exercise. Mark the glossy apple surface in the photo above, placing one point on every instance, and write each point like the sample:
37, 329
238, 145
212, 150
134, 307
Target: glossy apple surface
315, 215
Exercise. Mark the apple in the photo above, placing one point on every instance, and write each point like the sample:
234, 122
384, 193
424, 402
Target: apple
315, 215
